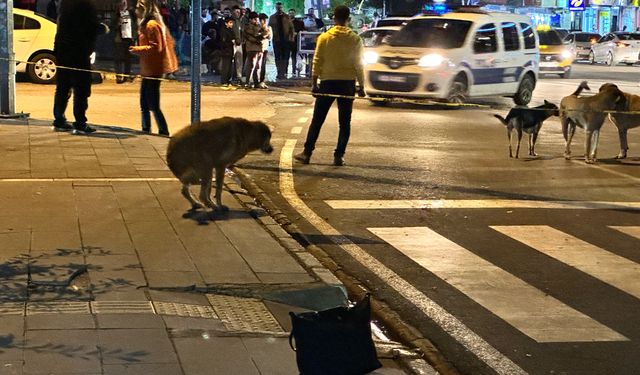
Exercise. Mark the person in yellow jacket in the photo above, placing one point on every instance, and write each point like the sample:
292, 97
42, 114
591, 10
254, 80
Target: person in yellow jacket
337, 63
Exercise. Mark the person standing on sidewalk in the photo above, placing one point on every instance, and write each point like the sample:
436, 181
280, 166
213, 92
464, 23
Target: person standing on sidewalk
265, 50
78, 28
337, 63
157, 57
254, 32
282, 36
238, 60
123, 26
227, 45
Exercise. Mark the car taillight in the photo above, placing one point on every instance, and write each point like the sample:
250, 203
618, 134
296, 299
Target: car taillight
620, 44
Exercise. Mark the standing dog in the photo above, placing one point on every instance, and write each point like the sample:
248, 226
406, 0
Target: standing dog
625, 121
196, 150
528, 120
588, 113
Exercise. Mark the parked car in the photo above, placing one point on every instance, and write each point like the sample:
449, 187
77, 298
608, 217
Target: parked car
580, 43
33, 39
455, 56
615, 48
374, 37
555, 56
563, 33
391, 21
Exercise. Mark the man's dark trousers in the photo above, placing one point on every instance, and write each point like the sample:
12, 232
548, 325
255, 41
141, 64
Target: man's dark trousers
80, 83
281, 53
321, 109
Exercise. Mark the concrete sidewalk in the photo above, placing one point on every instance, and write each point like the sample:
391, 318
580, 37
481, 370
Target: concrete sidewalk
105, 271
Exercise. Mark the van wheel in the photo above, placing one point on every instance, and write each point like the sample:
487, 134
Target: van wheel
42, 68
525, 91
566, 74
458, 91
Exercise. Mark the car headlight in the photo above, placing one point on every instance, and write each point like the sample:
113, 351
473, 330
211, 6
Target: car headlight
370, 57
430, 61
92, 58
566, 54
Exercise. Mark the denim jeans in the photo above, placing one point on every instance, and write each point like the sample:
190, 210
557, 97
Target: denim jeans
150, 102
321, 109
80, 83
281, 52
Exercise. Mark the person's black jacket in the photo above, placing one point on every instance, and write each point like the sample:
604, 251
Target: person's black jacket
78, 28
226, 42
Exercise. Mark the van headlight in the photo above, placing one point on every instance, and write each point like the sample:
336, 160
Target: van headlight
370, 57
92, 58
430, 61
566, 54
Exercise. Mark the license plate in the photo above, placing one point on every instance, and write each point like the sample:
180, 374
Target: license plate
544, 64
394, 79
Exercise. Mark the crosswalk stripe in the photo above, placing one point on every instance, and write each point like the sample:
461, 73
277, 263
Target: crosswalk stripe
614, 270
478, 203
630, 230
530, 310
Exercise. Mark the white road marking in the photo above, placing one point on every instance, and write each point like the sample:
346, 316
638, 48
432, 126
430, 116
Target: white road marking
449, 323
610, 268
530, 310
296, 130
303, 120
630, 231
477, 203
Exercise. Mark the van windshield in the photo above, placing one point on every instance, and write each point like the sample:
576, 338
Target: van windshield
432, 33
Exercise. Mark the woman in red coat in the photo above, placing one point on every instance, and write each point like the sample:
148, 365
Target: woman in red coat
157, 57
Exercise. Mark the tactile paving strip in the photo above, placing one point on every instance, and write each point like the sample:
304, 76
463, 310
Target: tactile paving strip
122, 307
185, 310
12, 308
34, 308
244, 314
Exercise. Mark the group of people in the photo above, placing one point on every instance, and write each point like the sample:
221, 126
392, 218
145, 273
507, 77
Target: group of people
78, 28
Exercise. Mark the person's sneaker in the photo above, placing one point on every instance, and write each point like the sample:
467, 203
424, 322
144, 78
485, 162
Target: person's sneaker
262, 85
62, 127
302, 157
83, 130
338, 161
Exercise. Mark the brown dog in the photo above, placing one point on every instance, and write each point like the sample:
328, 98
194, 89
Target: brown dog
196, 150
625, 121
588, 113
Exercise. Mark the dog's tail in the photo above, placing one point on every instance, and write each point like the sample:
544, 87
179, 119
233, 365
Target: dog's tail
583, 86
502, 119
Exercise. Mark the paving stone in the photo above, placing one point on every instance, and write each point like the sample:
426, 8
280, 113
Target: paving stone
52, 240
174, 279
14, 243
135, 214
60, 321
111, 239
11, 367
285, 278
178, 297
139, 321
59, 222
180, 323
215, 355
143, 369
12, 223
67, 351
120, 346
12, 339
272, 356
151, 224
261, 251
122, 294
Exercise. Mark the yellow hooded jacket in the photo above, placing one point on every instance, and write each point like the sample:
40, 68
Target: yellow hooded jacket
338, 55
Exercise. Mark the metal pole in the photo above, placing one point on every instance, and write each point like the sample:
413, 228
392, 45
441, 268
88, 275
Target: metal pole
196, 59
7, 65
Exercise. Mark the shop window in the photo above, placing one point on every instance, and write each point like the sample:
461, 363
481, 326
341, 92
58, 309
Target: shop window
510, 36
485, 40
528, 36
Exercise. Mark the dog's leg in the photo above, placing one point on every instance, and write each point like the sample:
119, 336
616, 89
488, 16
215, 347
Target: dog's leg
533, 137
205, 189
509, 138
219, 181
624, 146
588, 138
568, 137
519, 133
594, 146
187, 194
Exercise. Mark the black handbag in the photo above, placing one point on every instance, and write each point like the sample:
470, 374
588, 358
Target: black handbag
335, 341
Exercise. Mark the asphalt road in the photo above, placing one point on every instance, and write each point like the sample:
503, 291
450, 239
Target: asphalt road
509, 266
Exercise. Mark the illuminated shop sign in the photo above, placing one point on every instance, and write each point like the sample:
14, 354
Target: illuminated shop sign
577, 5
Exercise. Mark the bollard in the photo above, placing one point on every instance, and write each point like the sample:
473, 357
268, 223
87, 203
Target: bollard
7, 66
196, 59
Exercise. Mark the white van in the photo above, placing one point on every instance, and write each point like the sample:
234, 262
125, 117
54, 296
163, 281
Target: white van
462, 54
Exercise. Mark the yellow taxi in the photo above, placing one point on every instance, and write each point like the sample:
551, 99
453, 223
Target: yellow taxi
555, 57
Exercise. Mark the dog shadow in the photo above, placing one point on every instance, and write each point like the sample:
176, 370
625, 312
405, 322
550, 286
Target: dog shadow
205, 216
537, 158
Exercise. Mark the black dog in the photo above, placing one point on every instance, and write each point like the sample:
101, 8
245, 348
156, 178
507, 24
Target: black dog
528, 120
